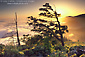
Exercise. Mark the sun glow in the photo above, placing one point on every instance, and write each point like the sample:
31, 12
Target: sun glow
71, 35
62, 12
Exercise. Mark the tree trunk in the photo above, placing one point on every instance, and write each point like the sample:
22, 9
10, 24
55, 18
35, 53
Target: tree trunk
62, 40
59, 29
17, 30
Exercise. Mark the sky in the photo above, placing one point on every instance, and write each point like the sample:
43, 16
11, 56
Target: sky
7, 12
65, 7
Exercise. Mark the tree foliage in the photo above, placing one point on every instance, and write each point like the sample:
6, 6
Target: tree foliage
45, 27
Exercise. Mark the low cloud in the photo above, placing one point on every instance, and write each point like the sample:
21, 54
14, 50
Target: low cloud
2, 21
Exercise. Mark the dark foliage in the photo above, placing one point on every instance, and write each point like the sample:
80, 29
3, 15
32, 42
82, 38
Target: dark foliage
46, 29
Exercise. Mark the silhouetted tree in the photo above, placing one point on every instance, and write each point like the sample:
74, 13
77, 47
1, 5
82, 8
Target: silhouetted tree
17, 30
48, 28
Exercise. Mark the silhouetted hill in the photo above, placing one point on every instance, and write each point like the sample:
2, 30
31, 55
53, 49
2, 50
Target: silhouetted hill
75, 21
82, 15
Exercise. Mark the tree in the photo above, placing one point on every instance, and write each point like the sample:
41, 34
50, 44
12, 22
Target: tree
48, 28
17, 30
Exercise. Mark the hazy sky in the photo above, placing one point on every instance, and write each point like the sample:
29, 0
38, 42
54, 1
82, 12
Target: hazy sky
65, 7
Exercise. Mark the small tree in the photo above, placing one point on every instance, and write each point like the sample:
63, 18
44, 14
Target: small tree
48, 28
17, 30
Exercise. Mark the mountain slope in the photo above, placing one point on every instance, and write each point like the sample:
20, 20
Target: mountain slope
76, 26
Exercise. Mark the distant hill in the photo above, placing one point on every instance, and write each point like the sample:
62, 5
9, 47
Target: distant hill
75, 21
82, 15
76, 26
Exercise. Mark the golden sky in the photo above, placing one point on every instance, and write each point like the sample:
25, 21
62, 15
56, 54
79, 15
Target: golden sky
65, 7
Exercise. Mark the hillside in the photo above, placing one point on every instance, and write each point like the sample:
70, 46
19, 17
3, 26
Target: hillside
76, 25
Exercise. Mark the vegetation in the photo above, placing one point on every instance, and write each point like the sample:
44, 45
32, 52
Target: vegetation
48, 28
39, 50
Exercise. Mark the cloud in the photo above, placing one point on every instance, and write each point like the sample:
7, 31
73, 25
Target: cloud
2, 21
2, 32
9, 24
9, 34
9, 31
5, 34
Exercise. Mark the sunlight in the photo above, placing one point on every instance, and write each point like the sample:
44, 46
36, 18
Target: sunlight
71, 35
10, 30
61, 11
